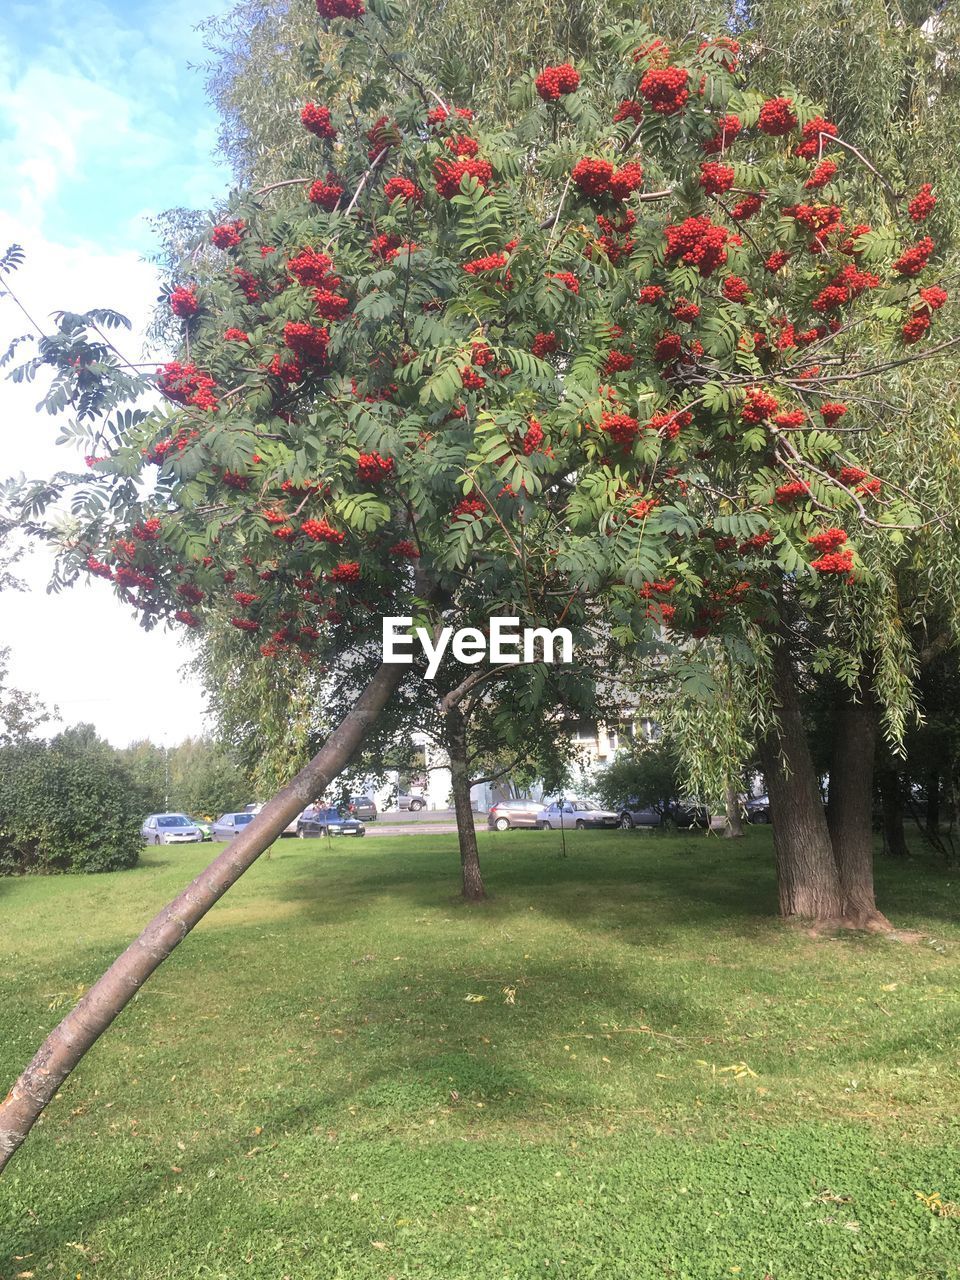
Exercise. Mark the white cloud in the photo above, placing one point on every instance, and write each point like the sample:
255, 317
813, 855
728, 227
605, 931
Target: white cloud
81, 650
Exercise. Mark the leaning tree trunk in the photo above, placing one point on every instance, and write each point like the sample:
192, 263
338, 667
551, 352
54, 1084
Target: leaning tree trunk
807, 878
86, 1022
891, 804
456, 743
850, 815
733, 827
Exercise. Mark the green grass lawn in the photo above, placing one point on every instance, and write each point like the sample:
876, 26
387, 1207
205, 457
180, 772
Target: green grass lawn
620, 1067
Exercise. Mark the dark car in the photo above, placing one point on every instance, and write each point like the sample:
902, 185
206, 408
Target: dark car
634, 814
577, 814
687, 813
513, 813
757, 808
363, 808
328, 822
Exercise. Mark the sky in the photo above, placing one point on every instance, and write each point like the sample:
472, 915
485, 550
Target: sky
102, 125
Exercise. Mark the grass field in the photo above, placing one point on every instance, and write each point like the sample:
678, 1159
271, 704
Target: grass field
620, 1067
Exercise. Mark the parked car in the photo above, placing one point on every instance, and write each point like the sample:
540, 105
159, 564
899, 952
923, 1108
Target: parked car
687, 813
362, 807
413, 803
575, 813
229, 824
170, 828
757, 808
513, 813
289, 830
634, 814
328, 822
204, 827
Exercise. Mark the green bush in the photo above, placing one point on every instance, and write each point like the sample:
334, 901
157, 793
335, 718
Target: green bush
69, 805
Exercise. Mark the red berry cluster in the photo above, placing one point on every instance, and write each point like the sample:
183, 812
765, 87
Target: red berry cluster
670, 422
597, 178
832, 412
566, 278
492, 262
685, 311
306, 340
792, 492
316, 120
821, 175
699, 243
728, 127
330, 305
245, 624
346, 571
148, 531
666, 89
235, 335
746, 208
322, 531
735, 289
475, 507
553, 82
629, 109
667, 348
227, 235
533, 437
827, 539
192, 594
472, 380
340, 8
309, 267
810, 144
288, 370
790, 419
777, 260
450, 173
620, 427
836, 562
405, 189
405, 550
716, 178
373, 469
185, 384
759, 406
912, 261
326, 193
922, 204
183, 302
617, 362
544, 344
777, 117
651, 293
248, 284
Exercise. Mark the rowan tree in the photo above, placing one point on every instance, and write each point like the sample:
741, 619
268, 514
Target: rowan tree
566, 362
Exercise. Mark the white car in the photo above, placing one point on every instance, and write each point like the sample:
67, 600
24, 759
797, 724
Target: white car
170, 828
289, 830
577, 814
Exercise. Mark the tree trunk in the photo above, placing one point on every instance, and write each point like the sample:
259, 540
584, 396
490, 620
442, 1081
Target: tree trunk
933, 802
850, 815
456, 736
807, 878
86, 1022
733, 830
891, 801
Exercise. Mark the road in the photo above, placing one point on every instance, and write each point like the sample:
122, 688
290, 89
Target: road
398, 822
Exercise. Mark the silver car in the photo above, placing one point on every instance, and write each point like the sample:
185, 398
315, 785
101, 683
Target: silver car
577, 814
170, 828
230, 824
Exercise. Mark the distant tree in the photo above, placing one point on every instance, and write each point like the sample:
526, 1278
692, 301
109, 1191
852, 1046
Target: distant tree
68, 805
648, 774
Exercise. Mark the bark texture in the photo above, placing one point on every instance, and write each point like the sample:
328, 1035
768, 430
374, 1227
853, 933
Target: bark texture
807, 878
87, 1021
733, 830
850, 814
456, 735
891, 801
